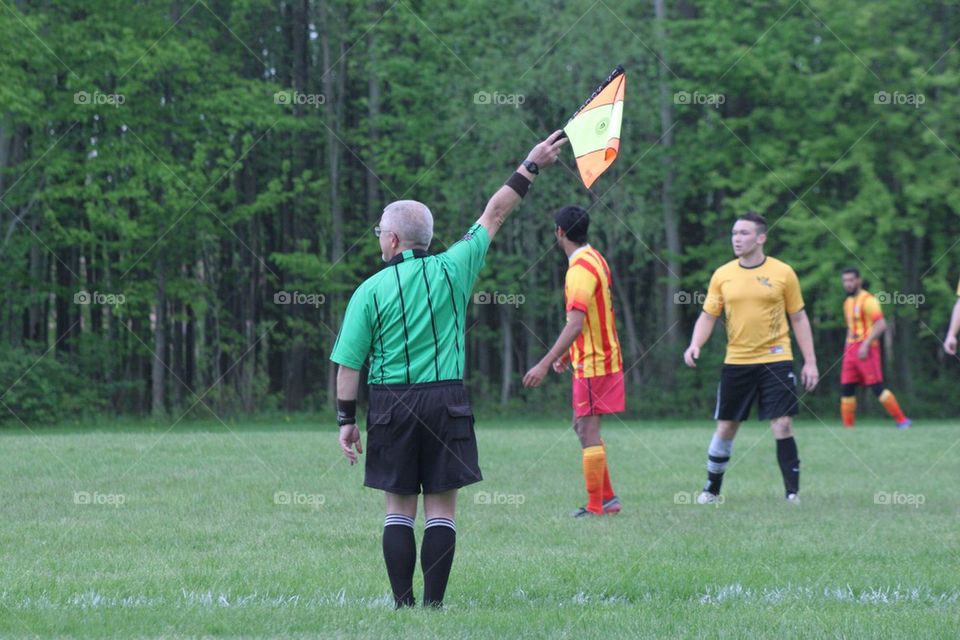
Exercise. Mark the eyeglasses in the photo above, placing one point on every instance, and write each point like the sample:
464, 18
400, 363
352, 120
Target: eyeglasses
377, 231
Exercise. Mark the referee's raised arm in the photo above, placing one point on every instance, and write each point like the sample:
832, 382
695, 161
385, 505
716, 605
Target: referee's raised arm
507, 196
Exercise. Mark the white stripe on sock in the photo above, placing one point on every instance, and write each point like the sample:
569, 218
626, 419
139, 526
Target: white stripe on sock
441, 522
398, 519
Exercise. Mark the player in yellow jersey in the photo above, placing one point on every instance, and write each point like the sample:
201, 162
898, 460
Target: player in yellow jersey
862, 364
589, 342
950, 344
756, 293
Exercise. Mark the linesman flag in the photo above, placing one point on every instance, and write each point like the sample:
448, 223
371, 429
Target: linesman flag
594, 130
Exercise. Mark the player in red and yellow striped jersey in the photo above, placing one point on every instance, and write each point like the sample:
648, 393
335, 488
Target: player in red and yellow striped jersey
589, 342
861, 355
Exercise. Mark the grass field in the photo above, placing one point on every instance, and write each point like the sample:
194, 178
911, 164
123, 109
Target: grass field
263, 530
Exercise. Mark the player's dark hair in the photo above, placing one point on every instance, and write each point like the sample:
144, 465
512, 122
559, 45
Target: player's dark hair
575, 221
755, 218
852, 270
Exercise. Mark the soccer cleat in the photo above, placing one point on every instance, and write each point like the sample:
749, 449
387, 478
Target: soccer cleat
612, 506
793, 498
906, 424
705, 497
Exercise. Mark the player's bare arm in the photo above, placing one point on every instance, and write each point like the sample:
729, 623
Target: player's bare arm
950, 344
875, 332
571, 330
701, 333
809, 375
506, 198
348, 381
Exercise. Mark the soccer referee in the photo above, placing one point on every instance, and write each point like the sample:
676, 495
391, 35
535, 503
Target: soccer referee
757, 293
409, 318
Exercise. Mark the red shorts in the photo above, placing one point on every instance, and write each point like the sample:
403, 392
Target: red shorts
598, 395
856, 371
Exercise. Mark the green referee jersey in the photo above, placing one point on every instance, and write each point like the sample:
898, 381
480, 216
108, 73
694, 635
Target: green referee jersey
409, 318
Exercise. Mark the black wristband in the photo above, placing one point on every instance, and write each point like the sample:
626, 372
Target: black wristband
519, 183
346, 412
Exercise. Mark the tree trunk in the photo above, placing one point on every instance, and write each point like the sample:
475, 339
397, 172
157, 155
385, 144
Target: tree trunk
159, 341
506, 359
333, 90
634, 350
670, 221
373, 115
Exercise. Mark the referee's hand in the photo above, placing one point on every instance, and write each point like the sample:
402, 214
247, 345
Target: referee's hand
350, 437
547, 151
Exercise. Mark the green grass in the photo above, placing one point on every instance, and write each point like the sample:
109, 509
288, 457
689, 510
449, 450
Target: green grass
200, 547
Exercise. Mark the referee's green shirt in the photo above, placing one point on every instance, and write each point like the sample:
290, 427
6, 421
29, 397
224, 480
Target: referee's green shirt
410, 317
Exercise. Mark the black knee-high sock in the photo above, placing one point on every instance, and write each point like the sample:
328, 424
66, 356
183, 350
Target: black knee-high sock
400, 554
789, 464
436, 558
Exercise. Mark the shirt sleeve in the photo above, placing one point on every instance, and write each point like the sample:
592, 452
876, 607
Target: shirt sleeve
871, 308
356, 334
579, 286
468, 255
714, 302
793, 299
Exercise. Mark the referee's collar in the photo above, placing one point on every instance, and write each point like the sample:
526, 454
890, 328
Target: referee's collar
409, 254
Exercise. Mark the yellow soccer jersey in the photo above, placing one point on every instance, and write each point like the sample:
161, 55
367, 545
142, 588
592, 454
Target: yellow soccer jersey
755, 301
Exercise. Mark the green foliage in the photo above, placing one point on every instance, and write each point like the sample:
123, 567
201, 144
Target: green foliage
44, 390
209, 187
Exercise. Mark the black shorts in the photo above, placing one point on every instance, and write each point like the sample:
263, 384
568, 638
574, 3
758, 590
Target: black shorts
772, 384
420, 437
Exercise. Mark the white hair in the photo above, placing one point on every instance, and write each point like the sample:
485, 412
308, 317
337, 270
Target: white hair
411, 221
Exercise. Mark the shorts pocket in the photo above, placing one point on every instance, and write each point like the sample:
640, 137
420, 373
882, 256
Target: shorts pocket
460, 422
378, 425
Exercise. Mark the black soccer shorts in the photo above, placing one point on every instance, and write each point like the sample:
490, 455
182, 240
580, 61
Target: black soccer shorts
420, 437
773, 385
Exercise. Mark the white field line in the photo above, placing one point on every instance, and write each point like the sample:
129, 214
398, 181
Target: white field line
722, 594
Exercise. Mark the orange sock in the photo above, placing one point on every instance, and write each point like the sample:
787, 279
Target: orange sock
594, 462
889, 402
607, 487
848, 410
